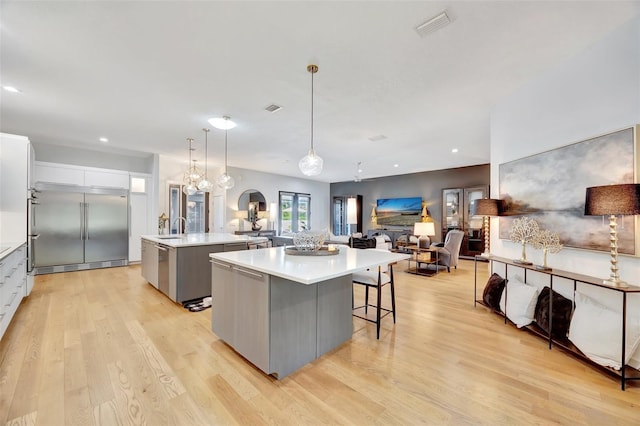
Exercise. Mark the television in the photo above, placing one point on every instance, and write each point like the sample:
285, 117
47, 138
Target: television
398, 211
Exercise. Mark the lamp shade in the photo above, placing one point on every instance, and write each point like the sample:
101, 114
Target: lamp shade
488, 207
424, 229
352, 211
612, 200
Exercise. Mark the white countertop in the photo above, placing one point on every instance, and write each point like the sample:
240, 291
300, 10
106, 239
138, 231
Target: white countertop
8, 247
309, 269
201, 239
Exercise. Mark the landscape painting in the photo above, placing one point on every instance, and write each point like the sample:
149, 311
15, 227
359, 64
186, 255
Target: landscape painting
398, 211
550, 188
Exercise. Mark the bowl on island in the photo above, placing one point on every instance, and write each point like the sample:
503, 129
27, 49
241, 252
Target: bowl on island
309, 240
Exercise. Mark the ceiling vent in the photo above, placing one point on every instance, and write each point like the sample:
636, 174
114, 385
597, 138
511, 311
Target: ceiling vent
434, 24
273, 108
377, 138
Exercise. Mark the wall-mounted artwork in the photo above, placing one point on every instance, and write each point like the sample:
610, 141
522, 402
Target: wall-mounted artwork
550, 188
398, 211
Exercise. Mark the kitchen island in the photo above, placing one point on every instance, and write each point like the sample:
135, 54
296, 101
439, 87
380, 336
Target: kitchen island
282, 311
178, 264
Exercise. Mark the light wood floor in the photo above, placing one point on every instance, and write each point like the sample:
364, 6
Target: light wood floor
104, 347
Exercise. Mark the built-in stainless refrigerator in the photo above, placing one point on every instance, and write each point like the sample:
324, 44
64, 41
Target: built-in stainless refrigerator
79, 228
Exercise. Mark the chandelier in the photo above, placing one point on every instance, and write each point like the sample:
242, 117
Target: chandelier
193, 175
204, 184
224, 181
311, 164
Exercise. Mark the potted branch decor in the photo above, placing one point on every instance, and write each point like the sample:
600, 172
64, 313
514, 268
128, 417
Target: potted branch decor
524, 231
549, 242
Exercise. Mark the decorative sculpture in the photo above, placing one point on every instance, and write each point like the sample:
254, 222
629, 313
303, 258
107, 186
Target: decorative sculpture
549, 242
524, 231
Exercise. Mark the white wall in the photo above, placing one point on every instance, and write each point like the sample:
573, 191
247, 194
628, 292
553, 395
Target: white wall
172, 170
270, 185
595, 92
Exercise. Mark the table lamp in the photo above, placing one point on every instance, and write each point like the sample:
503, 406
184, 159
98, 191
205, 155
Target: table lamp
487, 207
424, 229
612, 200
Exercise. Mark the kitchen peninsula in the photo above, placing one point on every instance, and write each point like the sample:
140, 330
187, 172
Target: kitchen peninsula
178, 264
282, 311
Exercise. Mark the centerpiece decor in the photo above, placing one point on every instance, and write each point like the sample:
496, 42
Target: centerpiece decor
309, 240
549, 242
523, 231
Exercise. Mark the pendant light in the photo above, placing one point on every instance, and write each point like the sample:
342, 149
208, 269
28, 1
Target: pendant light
192, 175
311, 164
224, 181
204, 184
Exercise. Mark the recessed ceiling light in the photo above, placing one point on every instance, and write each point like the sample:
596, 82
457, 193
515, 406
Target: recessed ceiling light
11, 89
104, 140
454, 150
396, 165
222, 123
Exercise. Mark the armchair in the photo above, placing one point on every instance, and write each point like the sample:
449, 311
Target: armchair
449, 251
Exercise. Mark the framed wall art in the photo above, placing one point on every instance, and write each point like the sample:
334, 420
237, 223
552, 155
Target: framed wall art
550, 188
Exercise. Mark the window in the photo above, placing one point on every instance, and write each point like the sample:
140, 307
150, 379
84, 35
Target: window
138, 184
339, 216
295, 212
193, 208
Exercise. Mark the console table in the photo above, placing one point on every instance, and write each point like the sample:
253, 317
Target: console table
626, 372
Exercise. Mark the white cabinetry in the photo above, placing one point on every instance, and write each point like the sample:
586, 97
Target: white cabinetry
59, 174
78, 175
14, 160
106, 179
139, 223
13, 284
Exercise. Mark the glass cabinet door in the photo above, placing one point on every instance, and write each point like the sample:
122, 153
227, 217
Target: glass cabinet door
473, 222
452, 214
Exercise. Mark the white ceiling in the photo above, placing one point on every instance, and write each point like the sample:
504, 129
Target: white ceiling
147, 75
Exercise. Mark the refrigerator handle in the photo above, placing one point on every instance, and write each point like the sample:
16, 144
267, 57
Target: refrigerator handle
82, 222
86, 220
129, 220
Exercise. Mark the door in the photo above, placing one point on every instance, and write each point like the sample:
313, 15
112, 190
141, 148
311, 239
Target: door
107, 231
58, 220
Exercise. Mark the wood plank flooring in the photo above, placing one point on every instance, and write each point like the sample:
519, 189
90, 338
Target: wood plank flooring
104, 347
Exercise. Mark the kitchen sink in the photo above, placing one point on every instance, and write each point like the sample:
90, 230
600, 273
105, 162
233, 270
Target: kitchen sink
171, 237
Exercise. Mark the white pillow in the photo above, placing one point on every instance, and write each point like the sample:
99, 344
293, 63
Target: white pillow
521, 302
597, 331
381, 243
413, 239
386, 237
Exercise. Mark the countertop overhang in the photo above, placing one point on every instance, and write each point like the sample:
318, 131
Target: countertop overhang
6, 248
309, 269
201, 239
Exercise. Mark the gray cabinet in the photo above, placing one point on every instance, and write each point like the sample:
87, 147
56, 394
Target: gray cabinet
277, 324
149, 256
182, 273
240, 317
251, 332
223, 296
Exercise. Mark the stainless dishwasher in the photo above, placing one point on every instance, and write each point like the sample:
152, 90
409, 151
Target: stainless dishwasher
163, 268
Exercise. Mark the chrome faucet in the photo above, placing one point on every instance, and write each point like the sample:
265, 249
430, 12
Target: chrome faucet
185, 223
